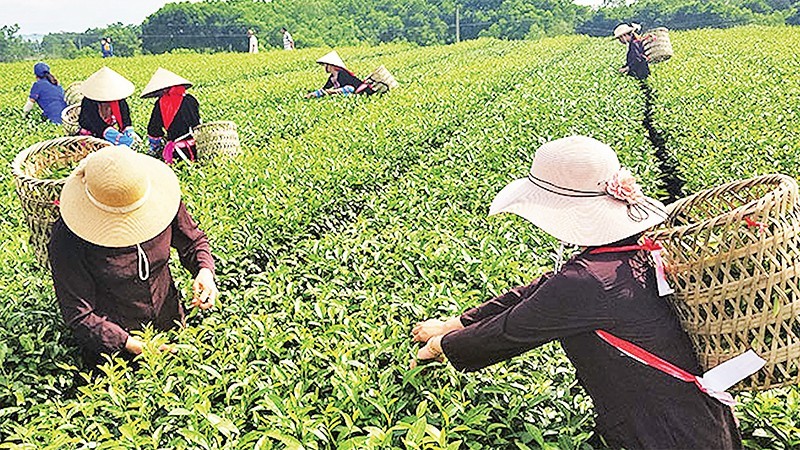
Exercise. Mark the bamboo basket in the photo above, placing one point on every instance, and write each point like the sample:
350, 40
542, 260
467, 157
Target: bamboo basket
657, 46
216, 139
69, 119
381, 80
39, 174
734, 255
73, 94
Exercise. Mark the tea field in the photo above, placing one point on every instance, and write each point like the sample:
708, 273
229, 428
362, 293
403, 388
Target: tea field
346, 220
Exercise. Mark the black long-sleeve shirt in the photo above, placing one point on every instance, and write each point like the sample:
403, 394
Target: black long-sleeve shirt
188, 116
636, 60
91, 121
637, 406
99, 290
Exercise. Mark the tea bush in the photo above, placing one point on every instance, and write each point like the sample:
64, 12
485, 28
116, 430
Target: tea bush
346, 220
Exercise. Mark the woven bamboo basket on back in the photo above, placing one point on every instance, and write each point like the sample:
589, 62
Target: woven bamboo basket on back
216, 139
39, 174
734, 253
69, 119
381, 80
73, 94
657, 46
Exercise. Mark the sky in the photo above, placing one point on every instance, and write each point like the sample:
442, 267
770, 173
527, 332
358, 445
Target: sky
50, 16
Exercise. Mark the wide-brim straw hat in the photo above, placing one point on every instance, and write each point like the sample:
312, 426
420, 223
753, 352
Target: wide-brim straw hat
567, 194
625, 28
333, 59
105, 85
163, 79
119, 198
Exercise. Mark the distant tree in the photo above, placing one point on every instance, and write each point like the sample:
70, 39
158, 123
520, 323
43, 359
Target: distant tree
12, 47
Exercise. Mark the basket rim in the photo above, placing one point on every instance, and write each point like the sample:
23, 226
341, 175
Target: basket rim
781, 182
68, 110
216, 122
22, 157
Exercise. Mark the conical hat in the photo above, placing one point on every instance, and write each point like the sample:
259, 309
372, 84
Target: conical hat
105, 85
333, 59
163, 79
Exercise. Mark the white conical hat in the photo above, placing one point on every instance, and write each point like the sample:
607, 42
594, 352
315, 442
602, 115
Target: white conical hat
105, 85
163, 79
333, 59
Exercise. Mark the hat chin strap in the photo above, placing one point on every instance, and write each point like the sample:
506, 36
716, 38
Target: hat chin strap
119, 209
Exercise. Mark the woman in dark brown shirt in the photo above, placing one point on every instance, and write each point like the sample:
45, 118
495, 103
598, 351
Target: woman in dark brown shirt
109, 253
578, 193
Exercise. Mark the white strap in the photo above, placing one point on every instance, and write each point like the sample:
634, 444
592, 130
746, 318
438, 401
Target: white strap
142, 263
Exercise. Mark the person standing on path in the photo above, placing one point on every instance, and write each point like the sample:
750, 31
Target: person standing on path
106, 48
288, 42
252, 41
611, 291
47, 93
636, 64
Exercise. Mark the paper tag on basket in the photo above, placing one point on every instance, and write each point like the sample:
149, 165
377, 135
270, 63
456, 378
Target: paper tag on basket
661, 277
732, 371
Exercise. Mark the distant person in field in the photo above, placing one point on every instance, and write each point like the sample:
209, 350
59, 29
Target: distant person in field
636, 64
252, 42
577, 192
121, 212
174, 115
106, 48
340, 81
288, 42
104, 111
47, 93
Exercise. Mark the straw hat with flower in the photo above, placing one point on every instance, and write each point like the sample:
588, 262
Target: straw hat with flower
163, 79
577, 192
119, 198
105, 85
625, 28
332, 59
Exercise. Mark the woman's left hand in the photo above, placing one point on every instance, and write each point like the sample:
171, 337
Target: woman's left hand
204, 290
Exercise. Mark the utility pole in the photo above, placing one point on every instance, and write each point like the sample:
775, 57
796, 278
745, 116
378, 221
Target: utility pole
458, 25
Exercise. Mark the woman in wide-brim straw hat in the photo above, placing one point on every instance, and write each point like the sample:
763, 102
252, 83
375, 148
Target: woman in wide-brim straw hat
174, 114
636, 64
104, 112
121, 212
577, 192
340, 81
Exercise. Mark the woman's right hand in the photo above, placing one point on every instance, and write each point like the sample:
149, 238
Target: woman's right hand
135, 346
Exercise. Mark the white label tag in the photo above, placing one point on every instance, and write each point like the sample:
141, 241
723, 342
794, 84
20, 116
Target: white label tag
661, 277
732, 371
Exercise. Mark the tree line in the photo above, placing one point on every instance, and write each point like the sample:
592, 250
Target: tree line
220, 25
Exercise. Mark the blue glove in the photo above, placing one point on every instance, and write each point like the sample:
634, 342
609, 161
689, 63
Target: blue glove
130, 133
155, 146
117, 138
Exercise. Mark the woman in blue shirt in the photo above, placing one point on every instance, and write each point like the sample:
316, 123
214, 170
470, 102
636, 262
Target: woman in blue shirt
47, 93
